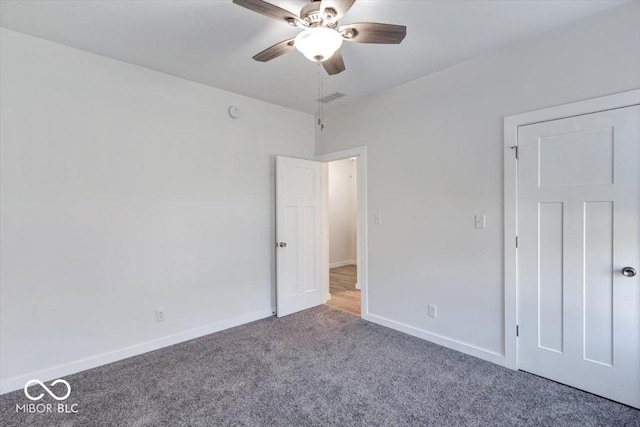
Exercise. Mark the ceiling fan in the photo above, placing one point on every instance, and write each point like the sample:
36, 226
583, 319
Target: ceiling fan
321, 37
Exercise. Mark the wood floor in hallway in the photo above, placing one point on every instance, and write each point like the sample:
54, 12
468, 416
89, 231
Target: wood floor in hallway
342, 284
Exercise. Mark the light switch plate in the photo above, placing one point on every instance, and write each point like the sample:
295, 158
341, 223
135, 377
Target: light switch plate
377, 219
480, 222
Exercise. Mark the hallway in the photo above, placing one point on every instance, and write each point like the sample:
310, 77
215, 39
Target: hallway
344, 294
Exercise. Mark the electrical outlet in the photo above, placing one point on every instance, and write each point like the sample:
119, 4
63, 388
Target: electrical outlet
160, 315
377, 219
433, 311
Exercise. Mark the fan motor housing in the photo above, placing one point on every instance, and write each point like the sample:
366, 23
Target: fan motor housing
311, 15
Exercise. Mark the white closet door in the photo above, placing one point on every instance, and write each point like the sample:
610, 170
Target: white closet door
579, 244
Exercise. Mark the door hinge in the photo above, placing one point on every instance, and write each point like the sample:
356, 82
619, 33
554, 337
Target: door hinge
517, 241
515, 149
517, 330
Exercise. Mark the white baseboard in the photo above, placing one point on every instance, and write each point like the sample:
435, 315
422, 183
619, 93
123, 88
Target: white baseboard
460, 346
17, 383
342, 263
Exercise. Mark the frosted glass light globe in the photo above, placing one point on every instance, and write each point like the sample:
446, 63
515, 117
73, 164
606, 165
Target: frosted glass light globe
318, 43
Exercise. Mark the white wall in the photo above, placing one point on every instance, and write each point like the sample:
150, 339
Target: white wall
435, 159
124, 190
342, 212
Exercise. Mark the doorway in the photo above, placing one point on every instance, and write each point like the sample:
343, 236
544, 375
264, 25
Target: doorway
302, 231
342, 211
347, 268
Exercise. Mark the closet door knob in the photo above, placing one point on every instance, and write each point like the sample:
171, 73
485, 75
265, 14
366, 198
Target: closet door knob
629, 272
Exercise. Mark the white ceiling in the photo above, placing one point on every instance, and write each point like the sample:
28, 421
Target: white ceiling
212, 42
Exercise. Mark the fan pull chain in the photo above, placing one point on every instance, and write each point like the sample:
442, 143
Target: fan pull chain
320, 104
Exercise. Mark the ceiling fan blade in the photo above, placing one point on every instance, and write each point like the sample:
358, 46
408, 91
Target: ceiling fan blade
373, 32
335, 64
270, 10
339, 6
274, 51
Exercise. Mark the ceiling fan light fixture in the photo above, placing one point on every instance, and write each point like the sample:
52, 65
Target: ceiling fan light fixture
318, 43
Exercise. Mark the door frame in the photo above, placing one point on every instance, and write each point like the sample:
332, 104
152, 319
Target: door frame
511, 125
361, 227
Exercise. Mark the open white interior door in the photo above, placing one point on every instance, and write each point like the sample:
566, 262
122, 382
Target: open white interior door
298, 234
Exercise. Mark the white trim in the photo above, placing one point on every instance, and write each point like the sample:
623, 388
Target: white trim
59, 371
325, 232
438, 339
361, 239
343, 263
511, 124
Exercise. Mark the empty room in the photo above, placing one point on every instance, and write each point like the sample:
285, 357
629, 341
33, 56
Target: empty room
319, 213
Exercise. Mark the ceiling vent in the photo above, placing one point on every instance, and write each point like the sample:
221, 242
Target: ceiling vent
331, 97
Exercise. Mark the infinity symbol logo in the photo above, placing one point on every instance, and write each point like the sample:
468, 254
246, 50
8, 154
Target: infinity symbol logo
52, 394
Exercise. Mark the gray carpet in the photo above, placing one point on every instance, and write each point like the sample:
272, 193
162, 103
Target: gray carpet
319, 367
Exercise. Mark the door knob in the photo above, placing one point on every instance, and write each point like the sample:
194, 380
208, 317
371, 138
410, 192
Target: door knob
628, 271
284, 245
